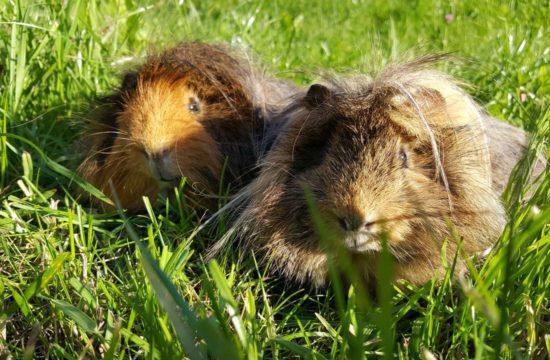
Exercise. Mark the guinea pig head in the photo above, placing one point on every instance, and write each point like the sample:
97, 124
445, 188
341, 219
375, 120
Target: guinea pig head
156, 138
381, 163
165, 138
361, 167
182, 113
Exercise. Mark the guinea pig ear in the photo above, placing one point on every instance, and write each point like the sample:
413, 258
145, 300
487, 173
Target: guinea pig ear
130, 81
317, 95
430, 97
417, 110
437, 102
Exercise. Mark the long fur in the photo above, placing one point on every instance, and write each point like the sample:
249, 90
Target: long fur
349, 165
149, 114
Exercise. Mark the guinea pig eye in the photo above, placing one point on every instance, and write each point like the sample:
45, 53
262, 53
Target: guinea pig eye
403, 157
193, 105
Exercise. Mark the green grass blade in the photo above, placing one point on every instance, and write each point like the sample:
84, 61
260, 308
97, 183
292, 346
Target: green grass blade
179, 312
77, 315
39, 284
62, 170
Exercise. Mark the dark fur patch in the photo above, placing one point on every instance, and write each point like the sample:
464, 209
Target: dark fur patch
114, 105
234, 141
311, 148
129, 82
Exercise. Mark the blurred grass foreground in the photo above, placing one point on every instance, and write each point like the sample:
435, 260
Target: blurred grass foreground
79, 284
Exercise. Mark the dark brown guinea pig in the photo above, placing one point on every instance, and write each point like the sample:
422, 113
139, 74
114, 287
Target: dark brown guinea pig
181, 114
402, 155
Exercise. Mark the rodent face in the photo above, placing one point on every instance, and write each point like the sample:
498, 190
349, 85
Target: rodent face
365, 195
162, 135
367, 175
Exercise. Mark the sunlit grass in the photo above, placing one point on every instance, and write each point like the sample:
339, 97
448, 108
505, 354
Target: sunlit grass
74, 283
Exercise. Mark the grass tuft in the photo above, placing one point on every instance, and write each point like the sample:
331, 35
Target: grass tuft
75, 283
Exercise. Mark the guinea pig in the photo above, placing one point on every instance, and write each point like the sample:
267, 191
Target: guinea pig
402, 156
196, 111
507, 146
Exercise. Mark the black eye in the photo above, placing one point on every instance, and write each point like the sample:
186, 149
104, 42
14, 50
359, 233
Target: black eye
403, 157
193, 105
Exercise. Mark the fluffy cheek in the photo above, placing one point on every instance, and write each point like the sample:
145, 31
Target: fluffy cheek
420, 208
269, 221
125, 158
285, 218
196, 157
395, 223
282, 229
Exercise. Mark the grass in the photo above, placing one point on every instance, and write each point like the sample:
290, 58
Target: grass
78, 284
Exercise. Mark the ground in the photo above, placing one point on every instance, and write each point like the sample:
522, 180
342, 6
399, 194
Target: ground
75, 284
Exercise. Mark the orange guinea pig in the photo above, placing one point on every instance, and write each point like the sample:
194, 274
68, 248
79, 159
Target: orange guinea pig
181, 114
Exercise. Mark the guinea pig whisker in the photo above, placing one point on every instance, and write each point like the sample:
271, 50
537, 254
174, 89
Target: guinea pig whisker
106, 151
131, 143
108, 129
111, 150
103, 151
123, 136
274, 165
103, 132
427, 215
123, 156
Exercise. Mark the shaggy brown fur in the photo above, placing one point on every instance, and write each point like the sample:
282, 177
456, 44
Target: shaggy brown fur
404, 154
182, 113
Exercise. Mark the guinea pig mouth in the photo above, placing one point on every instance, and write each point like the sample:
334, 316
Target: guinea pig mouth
160, 174
361, 242
168, 180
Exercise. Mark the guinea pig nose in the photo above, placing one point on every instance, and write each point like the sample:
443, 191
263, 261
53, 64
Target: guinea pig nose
355, 223
162, 166
159, 155
350, 223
